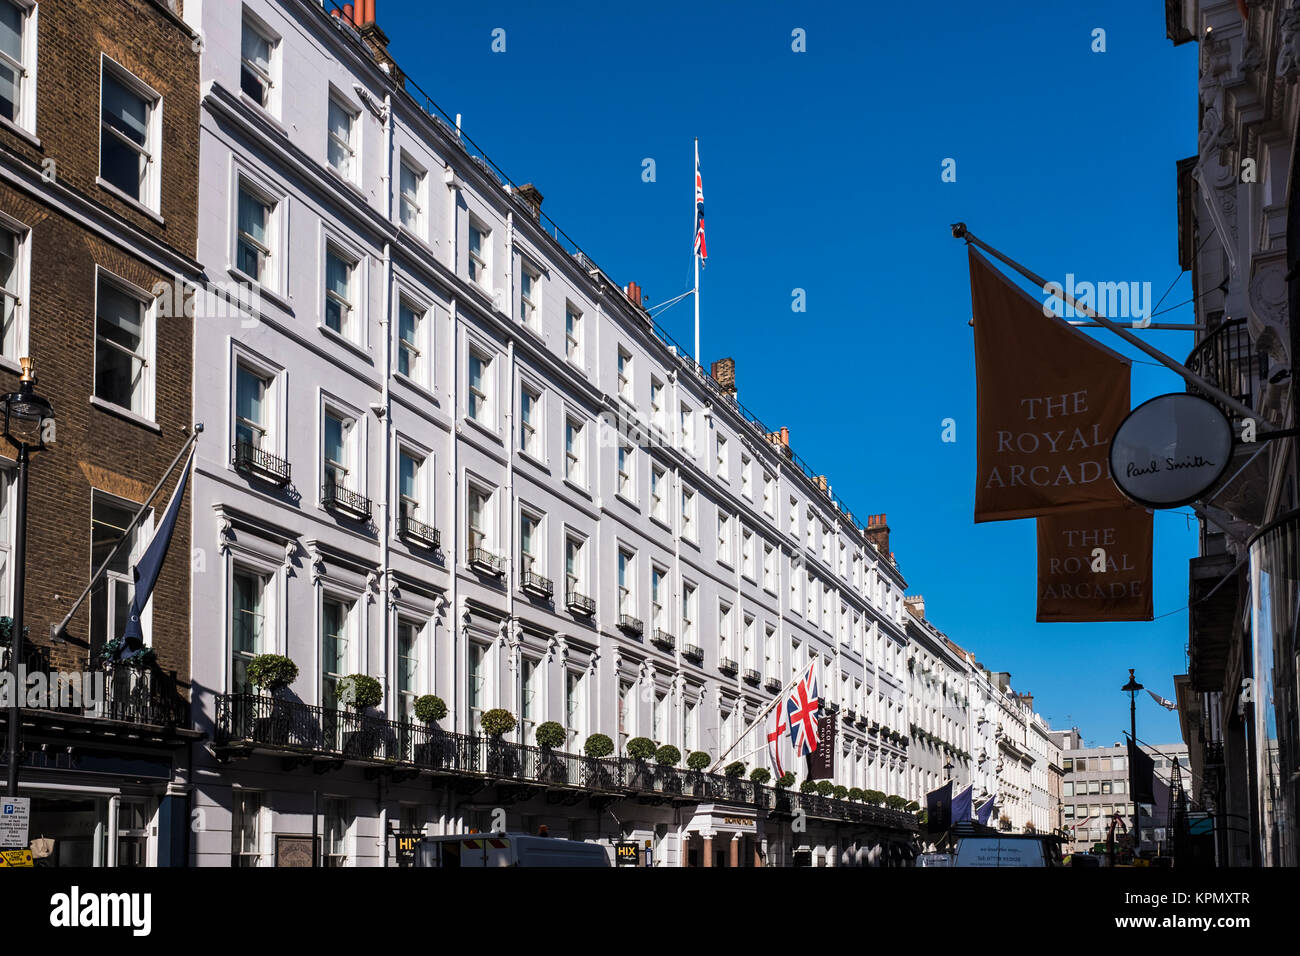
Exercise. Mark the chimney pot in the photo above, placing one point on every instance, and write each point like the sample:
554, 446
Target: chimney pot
347, 13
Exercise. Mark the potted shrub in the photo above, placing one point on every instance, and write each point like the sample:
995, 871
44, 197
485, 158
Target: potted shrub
760, 775
895, 802
840, 792
429, 709
698, 760
808, 786
667, 757
549, 736
496, 723
873, 797
641, 749
734, 769
785, 781
273, 673
358, 692
825, 788
912, 806
597, 747
855, 794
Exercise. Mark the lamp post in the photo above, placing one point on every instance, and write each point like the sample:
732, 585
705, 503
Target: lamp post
27, 417
1132, 688
947, 769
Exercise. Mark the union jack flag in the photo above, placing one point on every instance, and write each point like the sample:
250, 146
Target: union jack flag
801, 711
701, 249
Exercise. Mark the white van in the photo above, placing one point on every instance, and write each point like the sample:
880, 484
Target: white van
507, 849
1009, 850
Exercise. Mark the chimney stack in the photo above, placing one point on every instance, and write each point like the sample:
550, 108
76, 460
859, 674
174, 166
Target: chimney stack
723, 372
916, 603
529, 194
780, 440
634, 294
878, 534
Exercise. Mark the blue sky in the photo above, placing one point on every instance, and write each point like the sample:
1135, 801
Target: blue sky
822, 172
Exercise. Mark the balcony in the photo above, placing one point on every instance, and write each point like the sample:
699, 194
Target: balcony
537, 586
485, 562
248, 722
250, 460
1226, 357
418, 533
580, 604
630, 625
728, 666
663, 640
772, 685
752, 676
344, 500
693, 653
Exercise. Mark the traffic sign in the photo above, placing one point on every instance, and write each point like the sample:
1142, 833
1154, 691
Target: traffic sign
15, 821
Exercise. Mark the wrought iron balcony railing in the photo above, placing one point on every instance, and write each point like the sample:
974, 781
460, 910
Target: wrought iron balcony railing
728, 666
693, 652
481, 559
146, 697
630, 625
534, 583
580, 604
249, 459
662, 639
417, 532
1226, 357
772, 685
246, 721
752, 676
338, 498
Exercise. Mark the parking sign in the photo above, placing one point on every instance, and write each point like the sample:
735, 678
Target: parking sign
15, 818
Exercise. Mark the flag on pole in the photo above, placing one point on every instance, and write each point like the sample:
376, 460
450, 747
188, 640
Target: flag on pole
1166, 704
1143, 773
701, 249
985, 811
938, 809
962, 804
146, 571
801, 712
775, 735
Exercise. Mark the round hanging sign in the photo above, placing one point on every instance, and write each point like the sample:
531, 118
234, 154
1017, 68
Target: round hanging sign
1170, 450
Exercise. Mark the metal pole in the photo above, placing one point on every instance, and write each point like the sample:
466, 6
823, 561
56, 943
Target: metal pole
16, 638
1132, 770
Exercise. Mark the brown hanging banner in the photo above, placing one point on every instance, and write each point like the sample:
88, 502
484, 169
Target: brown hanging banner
1049, 400
1072, 550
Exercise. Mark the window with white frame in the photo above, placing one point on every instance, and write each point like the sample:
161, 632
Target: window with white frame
410, 205
690, 726
794, 517
13, 290
476, 683
250, 621
572, 333
625, 384
257, 53
796, 582
658, 493
769, 494
660, 728
626, 474
748, 636
17, 62
479, 254
826, 545
658, 597
245, 825
722, 459
129, 134
769, 651
688, 513
255, 235
110, 600
626, 583
341, 147
724, 629
531, 686
811, 524
748, 557
408, 668
530, 297
746, 476
340, 272
690, 611
411, 481
410, 335
337, 640
575, 702
478, 400
530, 542
574, 566
573, 451
769, 567
123, 347
529, 419
725, 545
812, 592
656, 402
253, 420
339, 452
686, 426
478, 518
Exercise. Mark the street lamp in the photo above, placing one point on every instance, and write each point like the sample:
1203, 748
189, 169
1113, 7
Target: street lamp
1132, 688
27, 419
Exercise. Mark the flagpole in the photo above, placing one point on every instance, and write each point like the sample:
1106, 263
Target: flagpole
959, 232
762, 715
696, 257
56, 630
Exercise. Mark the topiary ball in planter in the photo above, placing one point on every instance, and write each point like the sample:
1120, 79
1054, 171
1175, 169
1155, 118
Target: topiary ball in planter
785, 781
698, 760
550, 735
825, 788
598, 745
497, 722
855, 794
430, 708
760, 775
642, 748
272, 672
668, 756
808, 786
734, 769
360, 691
840, 792
912, 806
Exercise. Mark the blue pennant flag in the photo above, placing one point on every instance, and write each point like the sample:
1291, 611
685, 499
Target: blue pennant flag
147, 569
962, 805
985, 811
